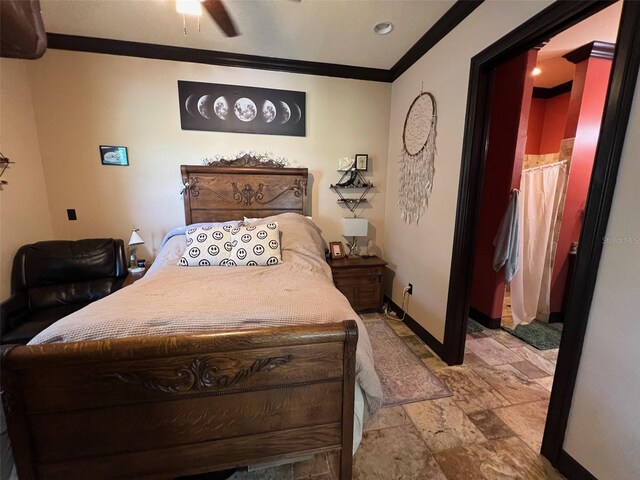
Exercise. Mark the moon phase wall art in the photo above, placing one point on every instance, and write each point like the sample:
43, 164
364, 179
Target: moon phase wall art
233, 108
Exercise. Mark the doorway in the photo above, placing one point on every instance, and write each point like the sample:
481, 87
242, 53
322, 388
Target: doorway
553, 20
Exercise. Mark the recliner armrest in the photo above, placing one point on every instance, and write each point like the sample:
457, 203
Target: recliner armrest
12, 309
121, 260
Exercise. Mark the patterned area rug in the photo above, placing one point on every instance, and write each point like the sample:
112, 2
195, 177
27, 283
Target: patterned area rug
473, 326
538, 334
404, 378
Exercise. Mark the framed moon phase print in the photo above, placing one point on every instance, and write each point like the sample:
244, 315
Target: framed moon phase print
233, 108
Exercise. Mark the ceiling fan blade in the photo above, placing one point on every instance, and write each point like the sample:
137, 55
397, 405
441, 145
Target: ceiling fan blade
22, 33
220, 15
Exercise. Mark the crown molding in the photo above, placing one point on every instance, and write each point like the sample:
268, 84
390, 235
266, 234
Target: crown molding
542, 92
451, 19
594, 49
211, 57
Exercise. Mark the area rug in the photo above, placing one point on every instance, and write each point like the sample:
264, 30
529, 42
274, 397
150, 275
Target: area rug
538, 334
473, 326
404, 378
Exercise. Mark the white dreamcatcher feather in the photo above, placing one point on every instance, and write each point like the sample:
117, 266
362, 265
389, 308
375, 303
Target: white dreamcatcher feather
417, 170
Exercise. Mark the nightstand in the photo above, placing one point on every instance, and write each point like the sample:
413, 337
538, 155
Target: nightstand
360, 280
134, 277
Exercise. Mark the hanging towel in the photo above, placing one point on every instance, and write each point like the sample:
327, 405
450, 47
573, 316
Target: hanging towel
507, 239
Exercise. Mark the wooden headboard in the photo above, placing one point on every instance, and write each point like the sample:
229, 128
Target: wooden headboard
222, 193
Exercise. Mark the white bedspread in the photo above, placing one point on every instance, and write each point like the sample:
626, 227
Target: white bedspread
172, 299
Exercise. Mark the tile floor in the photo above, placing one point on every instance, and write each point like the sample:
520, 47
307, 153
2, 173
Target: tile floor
507, 317
491, 428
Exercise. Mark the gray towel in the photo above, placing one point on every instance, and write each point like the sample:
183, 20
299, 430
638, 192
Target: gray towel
507, 240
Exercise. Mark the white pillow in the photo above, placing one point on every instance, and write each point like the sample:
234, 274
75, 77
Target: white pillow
207, 246
255, 245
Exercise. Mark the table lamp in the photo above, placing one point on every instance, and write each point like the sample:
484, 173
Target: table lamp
354, 227
134, 241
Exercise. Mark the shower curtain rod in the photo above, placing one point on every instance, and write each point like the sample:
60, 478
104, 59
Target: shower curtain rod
540, 167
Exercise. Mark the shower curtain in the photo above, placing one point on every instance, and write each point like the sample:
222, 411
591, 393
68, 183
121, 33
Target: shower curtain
541, 192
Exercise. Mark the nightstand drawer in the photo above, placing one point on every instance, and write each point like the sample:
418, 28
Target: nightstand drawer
367, 296
349, 293
360, 280
357, 271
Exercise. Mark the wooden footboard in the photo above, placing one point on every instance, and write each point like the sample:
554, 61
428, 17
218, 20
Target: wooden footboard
161, 407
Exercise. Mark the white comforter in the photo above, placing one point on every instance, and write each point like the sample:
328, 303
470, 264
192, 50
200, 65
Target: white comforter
172, 299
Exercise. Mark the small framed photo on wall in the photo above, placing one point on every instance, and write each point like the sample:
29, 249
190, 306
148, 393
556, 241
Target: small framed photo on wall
112, 155
362, 161
336, 250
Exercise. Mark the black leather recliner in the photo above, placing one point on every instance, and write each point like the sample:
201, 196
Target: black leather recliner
53, 279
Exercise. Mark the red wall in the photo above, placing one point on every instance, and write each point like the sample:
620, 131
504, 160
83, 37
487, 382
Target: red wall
512, 91
547, 120
555, 119
585, 110
535, 125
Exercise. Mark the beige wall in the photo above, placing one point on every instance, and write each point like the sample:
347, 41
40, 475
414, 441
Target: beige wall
83, 100
603, 433
24, 207
422, 254
604, 425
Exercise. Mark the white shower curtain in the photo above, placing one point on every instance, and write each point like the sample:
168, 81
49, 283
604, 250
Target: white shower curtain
541, 190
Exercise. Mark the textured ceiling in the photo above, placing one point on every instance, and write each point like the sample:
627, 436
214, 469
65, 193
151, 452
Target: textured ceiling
603, 26
329, 31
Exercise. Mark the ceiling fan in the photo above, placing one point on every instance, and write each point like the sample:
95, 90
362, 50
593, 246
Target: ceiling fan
220, 15
22, 33
216, 10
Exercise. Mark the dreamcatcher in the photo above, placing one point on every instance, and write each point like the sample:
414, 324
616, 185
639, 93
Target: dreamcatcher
417, 158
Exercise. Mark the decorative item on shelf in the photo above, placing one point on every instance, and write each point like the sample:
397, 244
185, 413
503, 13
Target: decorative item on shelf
362, 162
354, 228
345, 164
336, 250
134, 241
4, 163
417, 168
352, 179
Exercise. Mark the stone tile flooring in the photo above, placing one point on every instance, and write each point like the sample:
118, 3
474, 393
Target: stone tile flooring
491, 428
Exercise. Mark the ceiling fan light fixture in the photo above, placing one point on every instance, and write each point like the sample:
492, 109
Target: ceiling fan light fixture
383, 28
189, 7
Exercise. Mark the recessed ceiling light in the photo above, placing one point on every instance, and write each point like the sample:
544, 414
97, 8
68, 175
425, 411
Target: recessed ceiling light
383, 28
536, 71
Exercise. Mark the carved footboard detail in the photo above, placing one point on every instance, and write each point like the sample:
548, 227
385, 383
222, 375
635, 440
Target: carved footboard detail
161, 407
198, 375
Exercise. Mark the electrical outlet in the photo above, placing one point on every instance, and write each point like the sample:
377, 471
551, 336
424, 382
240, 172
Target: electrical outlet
410, 291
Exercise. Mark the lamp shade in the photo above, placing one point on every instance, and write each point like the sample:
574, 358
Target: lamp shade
135, 238
355, 227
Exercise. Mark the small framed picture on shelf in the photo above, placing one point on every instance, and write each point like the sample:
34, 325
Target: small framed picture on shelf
336, 250
110, 155
362, 161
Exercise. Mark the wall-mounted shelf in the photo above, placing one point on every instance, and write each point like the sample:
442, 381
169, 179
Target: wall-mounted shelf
353, 200
352, 180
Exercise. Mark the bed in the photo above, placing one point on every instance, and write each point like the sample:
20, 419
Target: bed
149, 383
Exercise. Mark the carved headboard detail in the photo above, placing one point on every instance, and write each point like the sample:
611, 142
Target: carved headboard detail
247, 160
222, 193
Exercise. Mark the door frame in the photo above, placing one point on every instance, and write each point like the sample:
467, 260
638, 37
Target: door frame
549, 22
